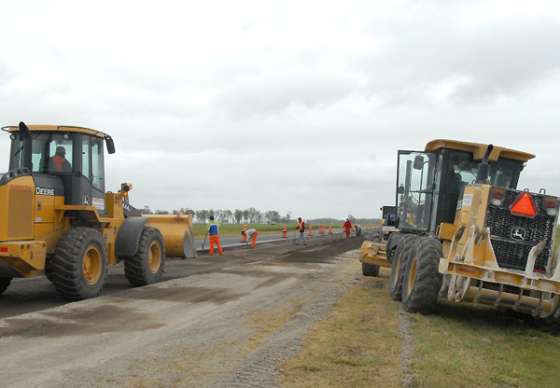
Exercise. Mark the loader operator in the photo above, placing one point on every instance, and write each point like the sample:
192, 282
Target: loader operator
58, 163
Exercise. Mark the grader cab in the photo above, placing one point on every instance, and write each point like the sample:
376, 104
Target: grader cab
467, 234
56, 218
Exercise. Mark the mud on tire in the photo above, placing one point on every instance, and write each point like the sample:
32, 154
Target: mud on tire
398, 264
370, 269
422, 279
4, 284
147, 265
78, 268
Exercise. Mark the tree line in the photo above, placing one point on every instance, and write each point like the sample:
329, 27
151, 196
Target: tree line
227, 216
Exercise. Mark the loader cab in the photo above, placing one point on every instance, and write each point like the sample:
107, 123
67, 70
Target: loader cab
64, 161
430, 183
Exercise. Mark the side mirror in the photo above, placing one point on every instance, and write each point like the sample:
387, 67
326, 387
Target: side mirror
110, 144
418, 162
400, 190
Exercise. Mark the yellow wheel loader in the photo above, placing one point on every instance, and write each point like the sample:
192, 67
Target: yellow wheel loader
467, 234
56, 218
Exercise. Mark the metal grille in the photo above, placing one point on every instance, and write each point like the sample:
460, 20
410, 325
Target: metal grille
512, 253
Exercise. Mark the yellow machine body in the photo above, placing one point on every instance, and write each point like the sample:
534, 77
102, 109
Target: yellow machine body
32, 222
469, 265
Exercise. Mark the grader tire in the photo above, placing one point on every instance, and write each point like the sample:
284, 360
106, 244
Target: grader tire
4, 284
147, 265
422, 279
78, 268
398, 266
370, 269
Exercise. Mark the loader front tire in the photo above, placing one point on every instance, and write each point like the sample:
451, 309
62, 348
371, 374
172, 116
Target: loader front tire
370, 269
4, 284
78, 268
147, 265
398, 265
422, 279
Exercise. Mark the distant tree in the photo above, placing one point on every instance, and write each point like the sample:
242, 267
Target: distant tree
238, 215
146, 210
228, 216
162, 212
202, 216
246, 215
272, 217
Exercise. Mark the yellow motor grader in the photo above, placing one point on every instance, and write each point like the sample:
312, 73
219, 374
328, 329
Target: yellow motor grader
467, 234
56, 218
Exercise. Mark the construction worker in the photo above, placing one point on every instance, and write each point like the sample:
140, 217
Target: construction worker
300, 227
244, 233
58, 163
347, 227
214, 237
357, 230
252, 237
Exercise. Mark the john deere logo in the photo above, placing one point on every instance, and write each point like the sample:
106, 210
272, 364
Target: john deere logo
518, 233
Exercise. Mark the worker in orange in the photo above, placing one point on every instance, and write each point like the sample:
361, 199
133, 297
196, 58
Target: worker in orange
285, 231
301, 229
214, 237
347, 228
252, 236
244, 234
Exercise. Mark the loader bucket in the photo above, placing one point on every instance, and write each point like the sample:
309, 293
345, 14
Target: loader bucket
177, 234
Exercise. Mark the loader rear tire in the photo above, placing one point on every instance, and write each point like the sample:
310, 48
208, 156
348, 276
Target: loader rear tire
147, 265
422, 279
398, 265
4, 284
78, 268
370, 269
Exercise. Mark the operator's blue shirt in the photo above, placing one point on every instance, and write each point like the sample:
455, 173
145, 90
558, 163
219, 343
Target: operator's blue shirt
213, 229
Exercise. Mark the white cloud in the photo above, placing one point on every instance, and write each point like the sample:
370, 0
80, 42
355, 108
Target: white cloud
282, 104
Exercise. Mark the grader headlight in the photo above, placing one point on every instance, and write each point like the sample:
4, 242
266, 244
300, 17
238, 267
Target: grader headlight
550, 205
497, 196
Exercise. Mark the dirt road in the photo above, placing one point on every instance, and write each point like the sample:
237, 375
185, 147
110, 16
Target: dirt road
230, 322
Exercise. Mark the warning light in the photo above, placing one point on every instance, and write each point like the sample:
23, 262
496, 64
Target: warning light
524, 206
4, 249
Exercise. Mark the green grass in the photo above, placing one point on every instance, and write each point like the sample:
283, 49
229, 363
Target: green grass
460, 345
463, 346
357, 345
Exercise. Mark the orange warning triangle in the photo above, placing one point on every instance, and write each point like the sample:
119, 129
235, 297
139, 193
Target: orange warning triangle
524, 206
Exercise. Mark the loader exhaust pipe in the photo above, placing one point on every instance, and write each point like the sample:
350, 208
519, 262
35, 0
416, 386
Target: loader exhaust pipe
484, 167
25, 138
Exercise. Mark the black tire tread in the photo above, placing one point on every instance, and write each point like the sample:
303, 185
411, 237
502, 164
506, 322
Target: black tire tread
4, 284
402, 250
423, 297
136, 267
64, 268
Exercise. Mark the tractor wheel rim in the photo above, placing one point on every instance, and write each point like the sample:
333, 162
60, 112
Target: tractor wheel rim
411, 280
154, 257
92, 265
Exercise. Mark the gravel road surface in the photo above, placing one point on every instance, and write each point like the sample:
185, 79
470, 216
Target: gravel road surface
221, 321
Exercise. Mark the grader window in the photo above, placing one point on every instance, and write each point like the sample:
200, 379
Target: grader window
415, 189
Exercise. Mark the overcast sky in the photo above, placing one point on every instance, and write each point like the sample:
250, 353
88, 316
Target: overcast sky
287, 105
